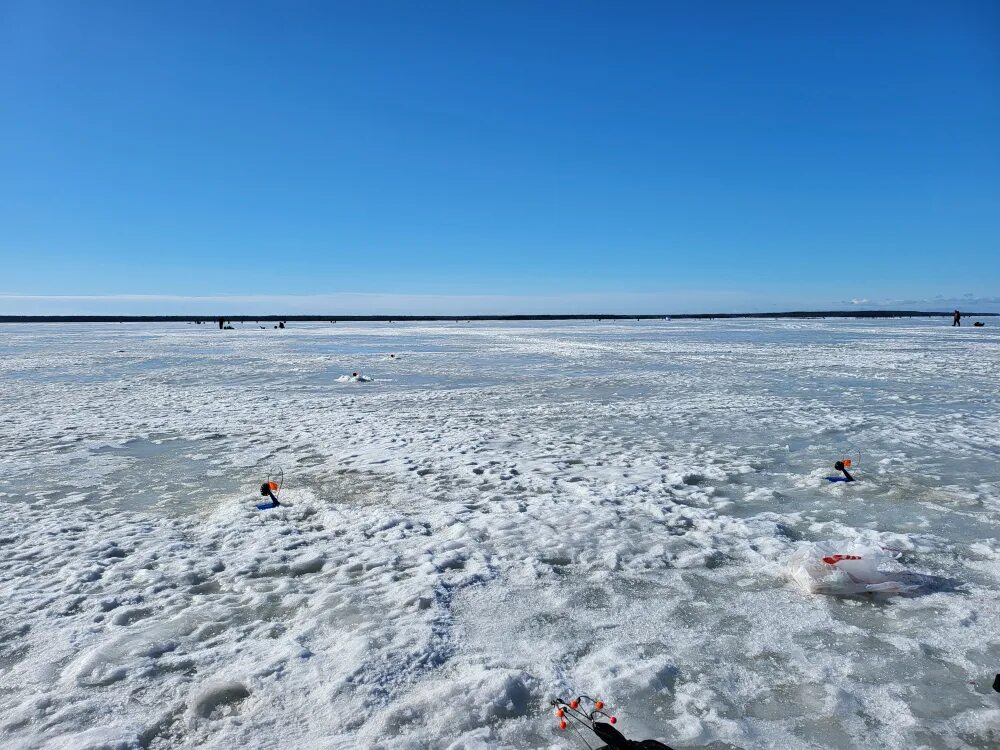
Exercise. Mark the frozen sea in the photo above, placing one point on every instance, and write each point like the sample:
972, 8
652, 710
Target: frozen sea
505, 513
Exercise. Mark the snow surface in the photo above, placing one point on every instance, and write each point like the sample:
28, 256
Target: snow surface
359, 378
508, 513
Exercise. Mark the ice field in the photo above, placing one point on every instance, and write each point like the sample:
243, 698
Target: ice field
504, 514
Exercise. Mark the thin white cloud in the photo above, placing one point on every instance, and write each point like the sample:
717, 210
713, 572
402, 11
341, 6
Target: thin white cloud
349, 303
937, 303
374, 304
940, 301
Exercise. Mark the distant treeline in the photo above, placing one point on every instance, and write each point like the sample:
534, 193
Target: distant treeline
465, 318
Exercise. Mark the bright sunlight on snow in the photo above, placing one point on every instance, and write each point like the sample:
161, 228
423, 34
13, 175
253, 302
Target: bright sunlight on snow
505, 513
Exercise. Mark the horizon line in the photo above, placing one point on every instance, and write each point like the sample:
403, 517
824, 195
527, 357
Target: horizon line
312, 318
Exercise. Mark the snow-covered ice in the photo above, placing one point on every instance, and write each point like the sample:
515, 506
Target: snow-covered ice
356, 377
509, 512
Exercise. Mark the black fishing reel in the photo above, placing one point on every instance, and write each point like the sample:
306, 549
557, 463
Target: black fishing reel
265, 489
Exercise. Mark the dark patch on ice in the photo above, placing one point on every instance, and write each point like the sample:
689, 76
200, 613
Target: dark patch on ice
716, 560
208, 587
556, 560
788, 532
929, 584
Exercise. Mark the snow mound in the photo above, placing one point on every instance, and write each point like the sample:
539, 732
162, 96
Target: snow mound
216, 698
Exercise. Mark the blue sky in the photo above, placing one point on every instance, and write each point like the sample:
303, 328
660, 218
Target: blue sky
465, 156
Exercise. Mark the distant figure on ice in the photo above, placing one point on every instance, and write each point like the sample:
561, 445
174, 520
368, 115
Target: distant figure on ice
956, 318
281, 324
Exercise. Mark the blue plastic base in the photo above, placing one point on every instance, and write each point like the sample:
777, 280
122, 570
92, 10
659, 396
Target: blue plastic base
266, 506
829, 479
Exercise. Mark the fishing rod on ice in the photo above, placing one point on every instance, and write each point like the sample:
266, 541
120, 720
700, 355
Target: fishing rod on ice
597, 722
272, 488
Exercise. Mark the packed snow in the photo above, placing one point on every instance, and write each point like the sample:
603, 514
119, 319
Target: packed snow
506, 514
356, 377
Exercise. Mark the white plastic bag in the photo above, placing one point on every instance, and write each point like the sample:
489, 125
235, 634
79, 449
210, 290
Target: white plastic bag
840, 568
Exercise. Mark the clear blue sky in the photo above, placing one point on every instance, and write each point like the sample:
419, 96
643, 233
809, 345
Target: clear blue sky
679, 156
